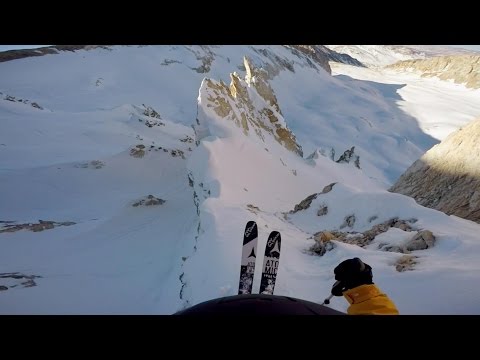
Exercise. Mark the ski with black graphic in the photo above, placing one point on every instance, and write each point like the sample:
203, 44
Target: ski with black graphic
270, 263
249, 256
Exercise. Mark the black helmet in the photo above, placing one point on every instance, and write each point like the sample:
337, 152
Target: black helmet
258, 304
351, 273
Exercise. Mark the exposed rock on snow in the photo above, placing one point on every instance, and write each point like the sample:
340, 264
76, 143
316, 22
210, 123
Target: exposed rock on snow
405, 263
149, 201
23, 101
252, 208
305, 203
15, 279
94, 164
349, 221
35, 227
424, 239
349, 156
323, 210
138, 151
322, 243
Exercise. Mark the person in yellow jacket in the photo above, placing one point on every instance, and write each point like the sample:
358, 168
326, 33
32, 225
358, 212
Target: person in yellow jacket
354, 282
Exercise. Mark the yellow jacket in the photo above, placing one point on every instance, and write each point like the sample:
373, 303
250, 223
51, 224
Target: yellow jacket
369, 300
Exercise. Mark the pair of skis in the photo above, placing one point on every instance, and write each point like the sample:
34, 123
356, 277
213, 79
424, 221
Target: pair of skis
249, 257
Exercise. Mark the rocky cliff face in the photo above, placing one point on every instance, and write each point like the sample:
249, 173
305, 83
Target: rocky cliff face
447, 177
462, 69
250, 103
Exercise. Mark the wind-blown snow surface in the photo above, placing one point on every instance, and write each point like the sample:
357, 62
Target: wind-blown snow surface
120, 259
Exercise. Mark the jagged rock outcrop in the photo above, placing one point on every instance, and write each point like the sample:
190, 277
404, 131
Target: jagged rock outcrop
462, 69
447, 177
259, 80
347, 157
305, 203
250, 104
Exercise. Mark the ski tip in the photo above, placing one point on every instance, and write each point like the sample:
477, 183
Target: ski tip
251, 231
275, 235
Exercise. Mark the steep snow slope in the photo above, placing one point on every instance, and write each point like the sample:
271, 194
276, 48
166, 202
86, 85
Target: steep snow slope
83, 156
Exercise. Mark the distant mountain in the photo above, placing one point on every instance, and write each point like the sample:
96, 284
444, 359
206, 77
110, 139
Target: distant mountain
461, 69
382, 55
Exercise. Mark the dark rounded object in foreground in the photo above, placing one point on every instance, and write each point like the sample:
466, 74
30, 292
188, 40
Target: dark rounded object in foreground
258, 304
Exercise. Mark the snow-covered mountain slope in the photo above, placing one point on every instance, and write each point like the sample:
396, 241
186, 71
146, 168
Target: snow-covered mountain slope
109, 259
141, 166
381, 55
165, 77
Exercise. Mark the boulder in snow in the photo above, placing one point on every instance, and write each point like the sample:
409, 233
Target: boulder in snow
423, 240
322, 243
